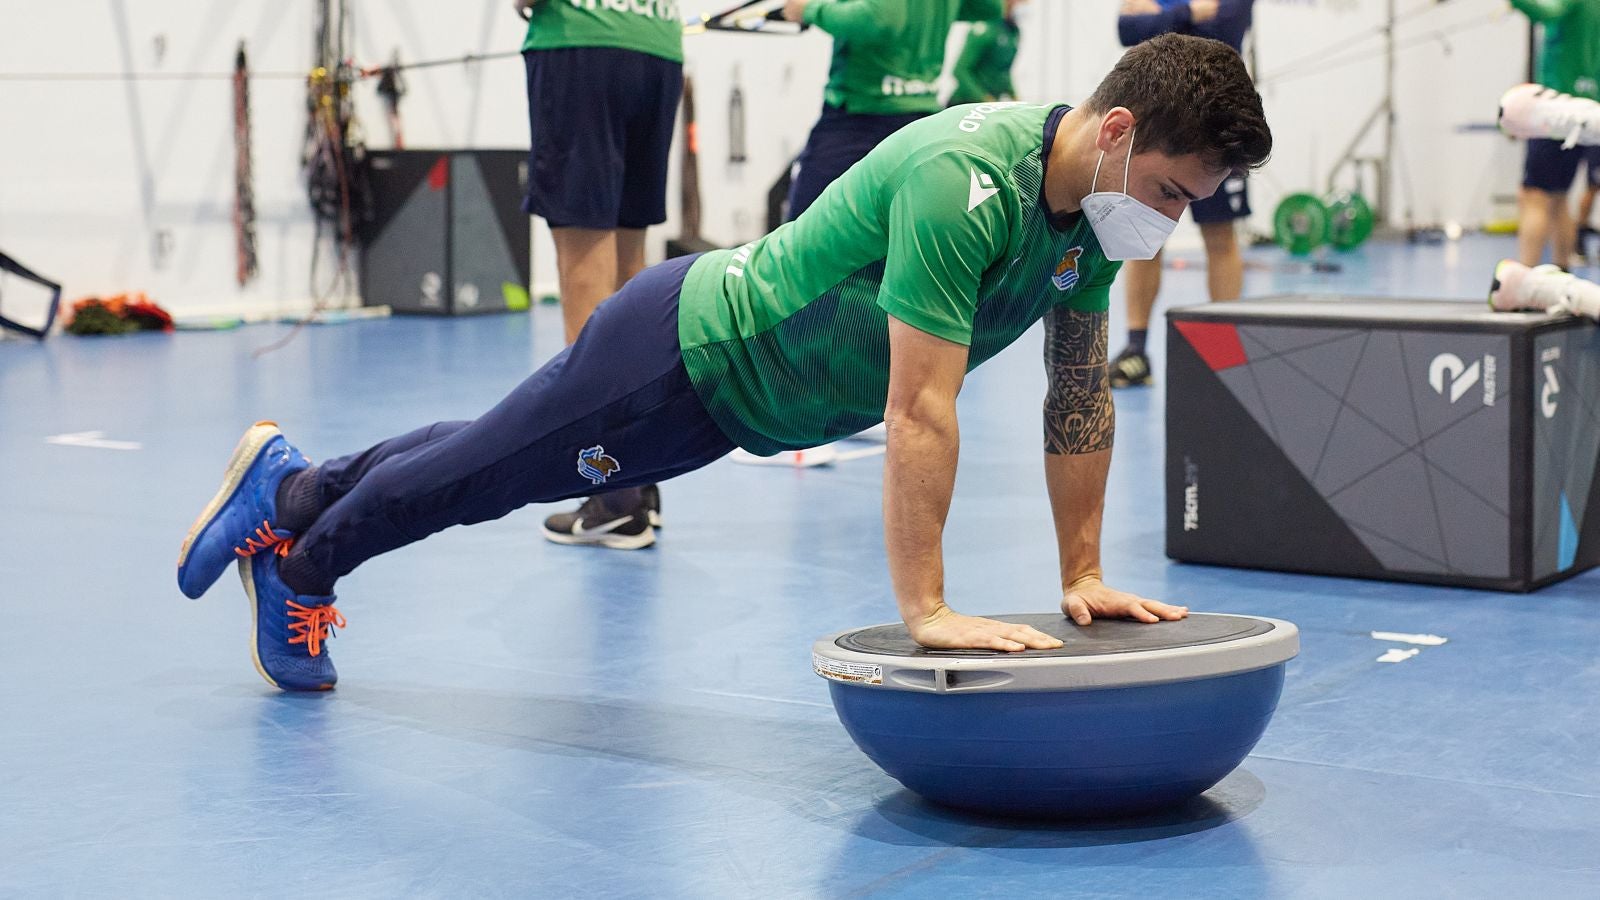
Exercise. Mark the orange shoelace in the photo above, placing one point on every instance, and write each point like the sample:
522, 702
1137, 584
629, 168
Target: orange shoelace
265, 539
312, 627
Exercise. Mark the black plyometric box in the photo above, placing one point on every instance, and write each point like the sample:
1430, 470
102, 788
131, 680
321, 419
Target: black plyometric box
447, 234
1427, 441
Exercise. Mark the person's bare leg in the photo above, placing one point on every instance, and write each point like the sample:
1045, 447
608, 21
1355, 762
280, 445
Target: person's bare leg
1533, 225
1141, 284
1581, 219
1563, 233
586, 263
1224, 263
630, 262
593, 263
1141, 281
1586, 203
630, 254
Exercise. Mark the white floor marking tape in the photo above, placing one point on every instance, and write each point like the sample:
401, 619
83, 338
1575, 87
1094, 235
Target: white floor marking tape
1426, 640
792, 459
762, 699
1395, 655
95, 439
826, 455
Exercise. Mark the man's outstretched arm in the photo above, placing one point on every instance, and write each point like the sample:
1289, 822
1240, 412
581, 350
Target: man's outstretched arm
869, 21
1079, 423
919, 475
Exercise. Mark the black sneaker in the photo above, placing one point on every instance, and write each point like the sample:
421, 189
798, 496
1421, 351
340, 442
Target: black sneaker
619, 520
1131, 369
652, 502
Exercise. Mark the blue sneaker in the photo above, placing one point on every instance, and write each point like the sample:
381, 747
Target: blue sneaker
288, 629
238, 522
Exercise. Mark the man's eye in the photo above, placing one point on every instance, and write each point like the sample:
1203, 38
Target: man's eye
1167, 194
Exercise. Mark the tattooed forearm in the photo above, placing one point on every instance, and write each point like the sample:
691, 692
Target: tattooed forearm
1078, 415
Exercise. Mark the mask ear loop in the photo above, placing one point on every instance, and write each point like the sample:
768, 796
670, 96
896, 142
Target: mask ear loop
1127, 163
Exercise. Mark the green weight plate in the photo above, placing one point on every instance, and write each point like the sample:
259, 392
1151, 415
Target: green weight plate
1350, 221
1300, 223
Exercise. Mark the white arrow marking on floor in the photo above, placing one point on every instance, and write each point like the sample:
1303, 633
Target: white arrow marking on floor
1395, 655
1395, 637
95, 439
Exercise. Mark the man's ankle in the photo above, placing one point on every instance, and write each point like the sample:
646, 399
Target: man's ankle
298, 501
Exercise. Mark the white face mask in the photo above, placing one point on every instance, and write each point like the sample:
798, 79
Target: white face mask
1126, 228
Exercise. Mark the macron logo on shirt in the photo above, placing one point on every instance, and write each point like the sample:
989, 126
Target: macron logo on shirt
982, 189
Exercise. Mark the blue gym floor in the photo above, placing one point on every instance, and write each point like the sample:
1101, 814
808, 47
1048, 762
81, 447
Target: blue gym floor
521, 719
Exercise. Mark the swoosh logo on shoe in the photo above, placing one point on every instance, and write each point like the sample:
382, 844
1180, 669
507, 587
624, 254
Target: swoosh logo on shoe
578, 530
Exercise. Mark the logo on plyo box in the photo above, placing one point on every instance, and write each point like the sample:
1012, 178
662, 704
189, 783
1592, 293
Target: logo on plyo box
1066, 274
595, 465
1450, 377
1191, 495
1551, 386
431, 287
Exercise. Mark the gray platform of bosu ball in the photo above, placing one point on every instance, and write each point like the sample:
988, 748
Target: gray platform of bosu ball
1413, 440
1108, 653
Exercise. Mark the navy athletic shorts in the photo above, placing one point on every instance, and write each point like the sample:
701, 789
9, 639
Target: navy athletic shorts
1230, 202
838, 141
1547, 167
602, 121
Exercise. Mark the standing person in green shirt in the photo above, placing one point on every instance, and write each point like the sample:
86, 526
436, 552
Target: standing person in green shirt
983, 71
1569, 58
1218, 215
604, 80
945, 245
887, 56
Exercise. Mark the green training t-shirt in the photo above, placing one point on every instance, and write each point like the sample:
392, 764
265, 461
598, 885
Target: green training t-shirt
887, 54
1569, 56
983, 71
647, 26
943, 226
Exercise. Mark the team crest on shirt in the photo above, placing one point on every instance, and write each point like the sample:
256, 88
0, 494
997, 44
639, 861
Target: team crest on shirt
1066, 275
595, 465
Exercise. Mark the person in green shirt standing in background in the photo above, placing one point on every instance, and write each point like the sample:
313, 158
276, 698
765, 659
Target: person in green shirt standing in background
604, 81
887, 56
1568, 61
1216, 216
983, 71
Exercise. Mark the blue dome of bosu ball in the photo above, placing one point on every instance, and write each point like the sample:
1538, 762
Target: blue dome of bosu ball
1125, 718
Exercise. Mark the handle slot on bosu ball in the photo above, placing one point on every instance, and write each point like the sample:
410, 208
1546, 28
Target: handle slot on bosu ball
948, 681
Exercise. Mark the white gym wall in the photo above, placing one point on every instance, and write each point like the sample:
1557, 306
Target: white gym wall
113, 186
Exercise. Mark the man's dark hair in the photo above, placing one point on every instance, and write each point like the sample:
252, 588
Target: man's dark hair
1189, 95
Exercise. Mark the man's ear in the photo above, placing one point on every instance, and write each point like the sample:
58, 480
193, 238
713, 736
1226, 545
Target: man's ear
1115, 126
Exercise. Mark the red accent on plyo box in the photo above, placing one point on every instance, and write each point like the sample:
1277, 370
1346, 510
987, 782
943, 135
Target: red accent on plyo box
439, 175
1216, 342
